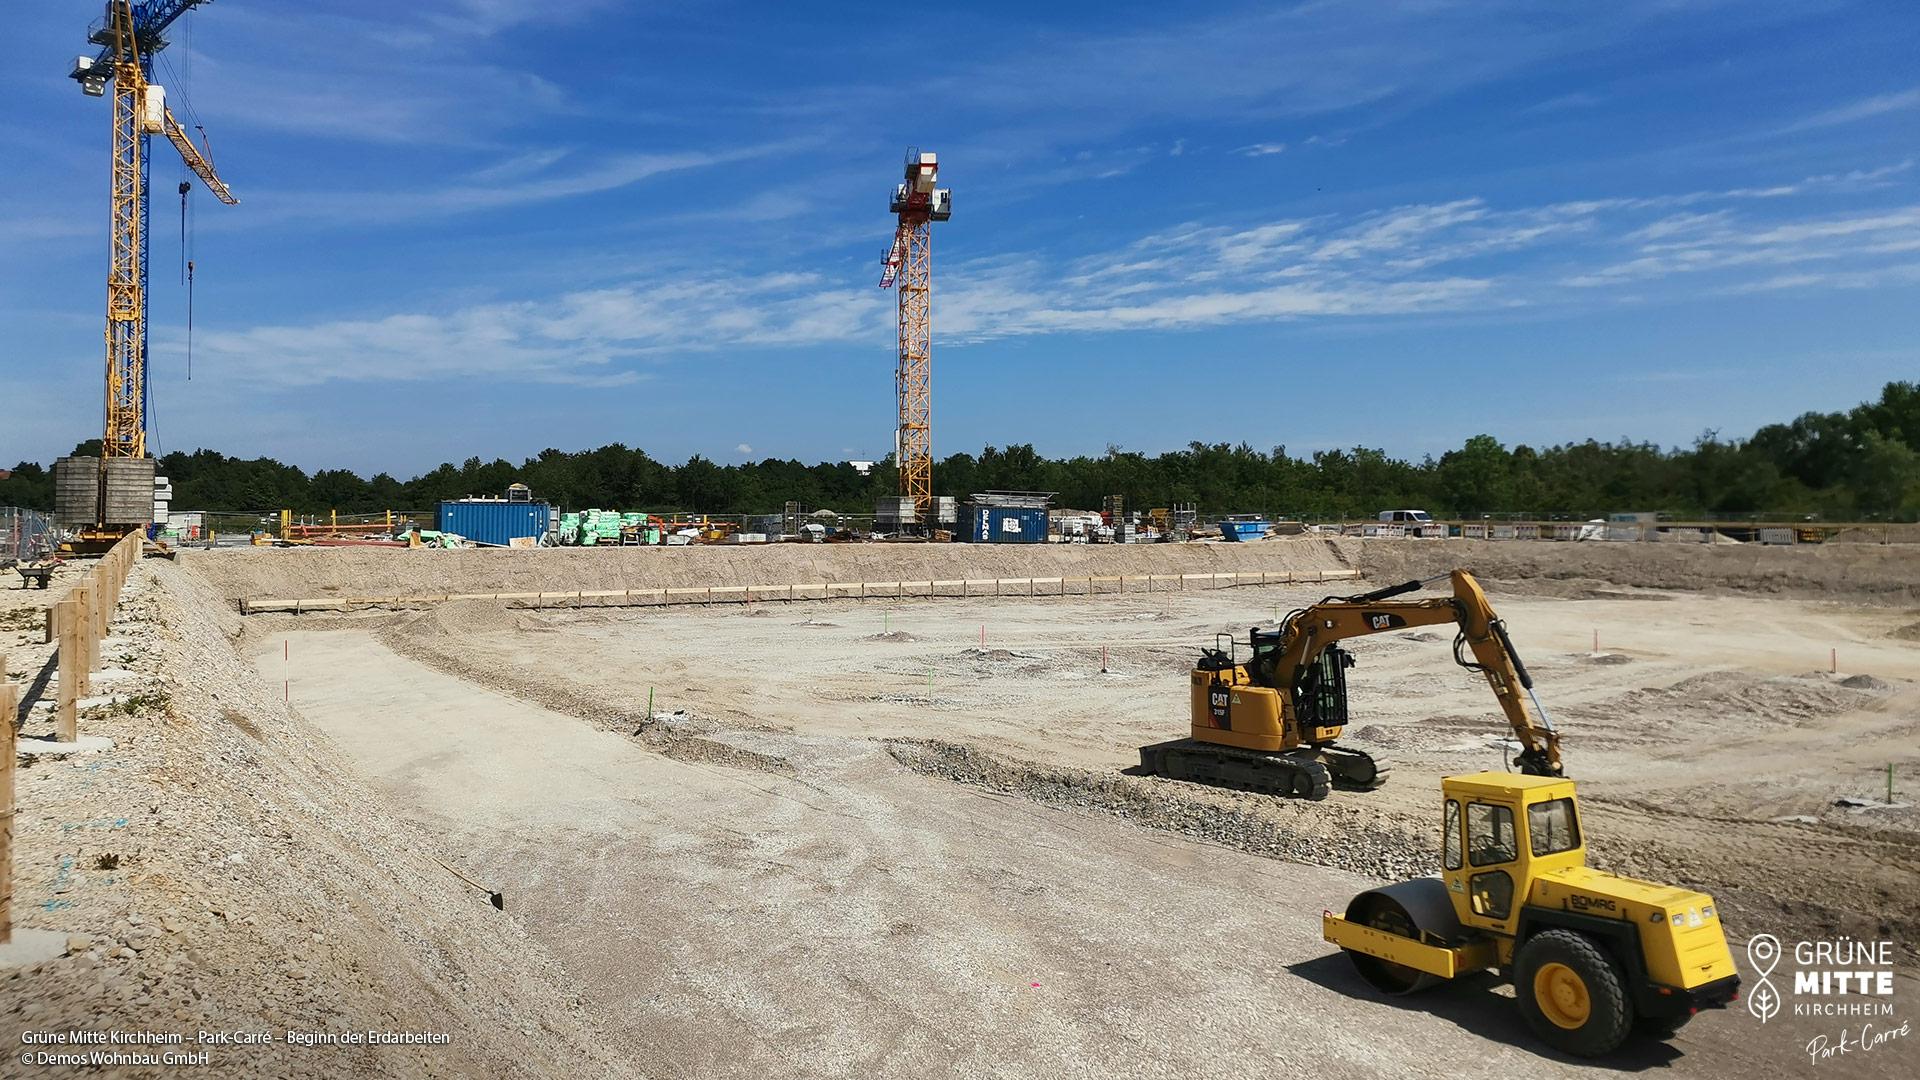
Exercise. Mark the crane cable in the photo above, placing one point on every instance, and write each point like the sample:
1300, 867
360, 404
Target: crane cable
183, 78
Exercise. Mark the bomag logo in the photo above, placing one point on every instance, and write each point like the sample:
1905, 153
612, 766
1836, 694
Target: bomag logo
1594, 903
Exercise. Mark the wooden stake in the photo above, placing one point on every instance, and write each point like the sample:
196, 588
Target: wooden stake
73, 667
78, 623
9, 708
97, 608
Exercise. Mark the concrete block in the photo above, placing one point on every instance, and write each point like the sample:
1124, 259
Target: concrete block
30, 947
85, 744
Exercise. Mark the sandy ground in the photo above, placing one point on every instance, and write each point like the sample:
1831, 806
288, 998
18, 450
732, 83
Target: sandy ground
1696, 709
863, 839
222, 869
855, 918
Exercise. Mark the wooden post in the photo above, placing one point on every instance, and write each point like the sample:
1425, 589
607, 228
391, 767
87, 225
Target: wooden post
73, 670
9, 708
97, 601
79, 617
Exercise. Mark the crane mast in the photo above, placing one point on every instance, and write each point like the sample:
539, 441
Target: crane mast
129, 36
126, 430
917, 203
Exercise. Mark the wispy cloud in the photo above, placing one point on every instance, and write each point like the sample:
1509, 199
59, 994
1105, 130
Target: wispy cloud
378, 75
596, 337
544, 176
1579, 99
1696, 244
1458, 256
493, 16
1262, 149
1878, 105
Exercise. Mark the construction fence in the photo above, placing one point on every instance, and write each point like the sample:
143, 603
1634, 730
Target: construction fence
26, 534
1675, 532
956, 588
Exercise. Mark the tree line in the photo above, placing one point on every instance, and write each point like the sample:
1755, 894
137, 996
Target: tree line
1862, 464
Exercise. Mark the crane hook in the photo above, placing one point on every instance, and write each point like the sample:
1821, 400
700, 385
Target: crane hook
184, 188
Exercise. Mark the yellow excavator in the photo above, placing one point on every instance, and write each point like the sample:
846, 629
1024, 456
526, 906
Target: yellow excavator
1271, 723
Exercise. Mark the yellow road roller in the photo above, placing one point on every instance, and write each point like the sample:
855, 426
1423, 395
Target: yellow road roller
1592, 955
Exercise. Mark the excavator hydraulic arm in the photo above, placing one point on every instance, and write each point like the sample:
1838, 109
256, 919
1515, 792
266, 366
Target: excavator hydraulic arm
1273, 722
1480, 631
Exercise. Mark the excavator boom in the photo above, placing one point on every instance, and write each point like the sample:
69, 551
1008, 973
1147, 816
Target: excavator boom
1311, 631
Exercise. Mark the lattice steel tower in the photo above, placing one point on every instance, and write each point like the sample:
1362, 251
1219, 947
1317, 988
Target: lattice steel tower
129, 36
909, 265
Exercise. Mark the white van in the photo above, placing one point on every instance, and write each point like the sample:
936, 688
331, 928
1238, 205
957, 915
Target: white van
1405, 517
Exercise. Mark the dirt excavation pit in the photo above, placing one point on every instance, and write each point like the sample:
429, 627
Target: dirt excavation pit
910, 832
905, 838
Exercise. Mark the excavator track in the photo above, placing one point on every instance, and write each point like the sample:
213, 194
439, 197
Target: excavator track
1299, 774
1355, 770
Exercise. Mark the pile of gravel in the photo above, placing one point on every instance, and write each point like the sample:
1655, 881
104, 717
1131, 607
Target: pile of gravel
1322, 834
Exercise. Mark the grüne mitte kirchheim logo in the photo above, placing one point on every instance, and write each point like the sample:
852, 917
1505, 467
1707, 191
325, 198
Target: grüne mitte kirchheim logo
1836, 977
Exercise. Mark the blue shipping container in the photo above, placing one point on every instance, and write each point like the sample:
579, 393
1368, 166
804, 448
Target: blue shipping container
1006, 525
492, 521
1242, 529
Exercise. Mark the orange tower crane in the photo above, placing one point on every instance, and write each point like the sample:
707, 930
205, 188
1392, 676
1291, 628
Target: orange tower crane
909, 265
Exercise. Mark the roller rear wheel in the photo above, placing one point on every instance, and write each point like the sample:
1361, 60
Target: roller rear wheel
1572, 993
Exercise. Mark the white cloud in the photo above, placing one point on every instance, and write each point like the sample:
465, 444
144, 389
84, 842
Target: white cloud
1262, 149
742, 448
1722, 241
1416, 259
1579, 99
1863, 109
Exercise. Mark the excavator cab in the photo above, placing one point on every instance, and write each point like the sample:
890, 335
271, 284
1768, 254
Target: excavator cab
1320, 695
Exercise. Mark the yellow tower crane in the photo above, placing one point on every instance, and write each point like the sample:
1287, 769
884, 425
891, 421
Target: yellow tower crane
129, 37
909, 265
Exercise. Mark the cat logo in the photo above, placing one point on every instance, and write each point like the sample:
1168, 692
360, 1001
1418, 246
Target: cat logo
1218, 702
1382, 620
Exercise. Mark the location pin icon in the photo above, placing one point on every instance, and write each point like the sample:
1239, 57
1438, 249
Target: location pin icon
1763, 955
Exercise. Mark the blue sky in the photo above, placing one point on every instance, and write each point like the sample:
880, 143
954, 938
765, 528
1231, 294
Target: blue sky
492, 226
